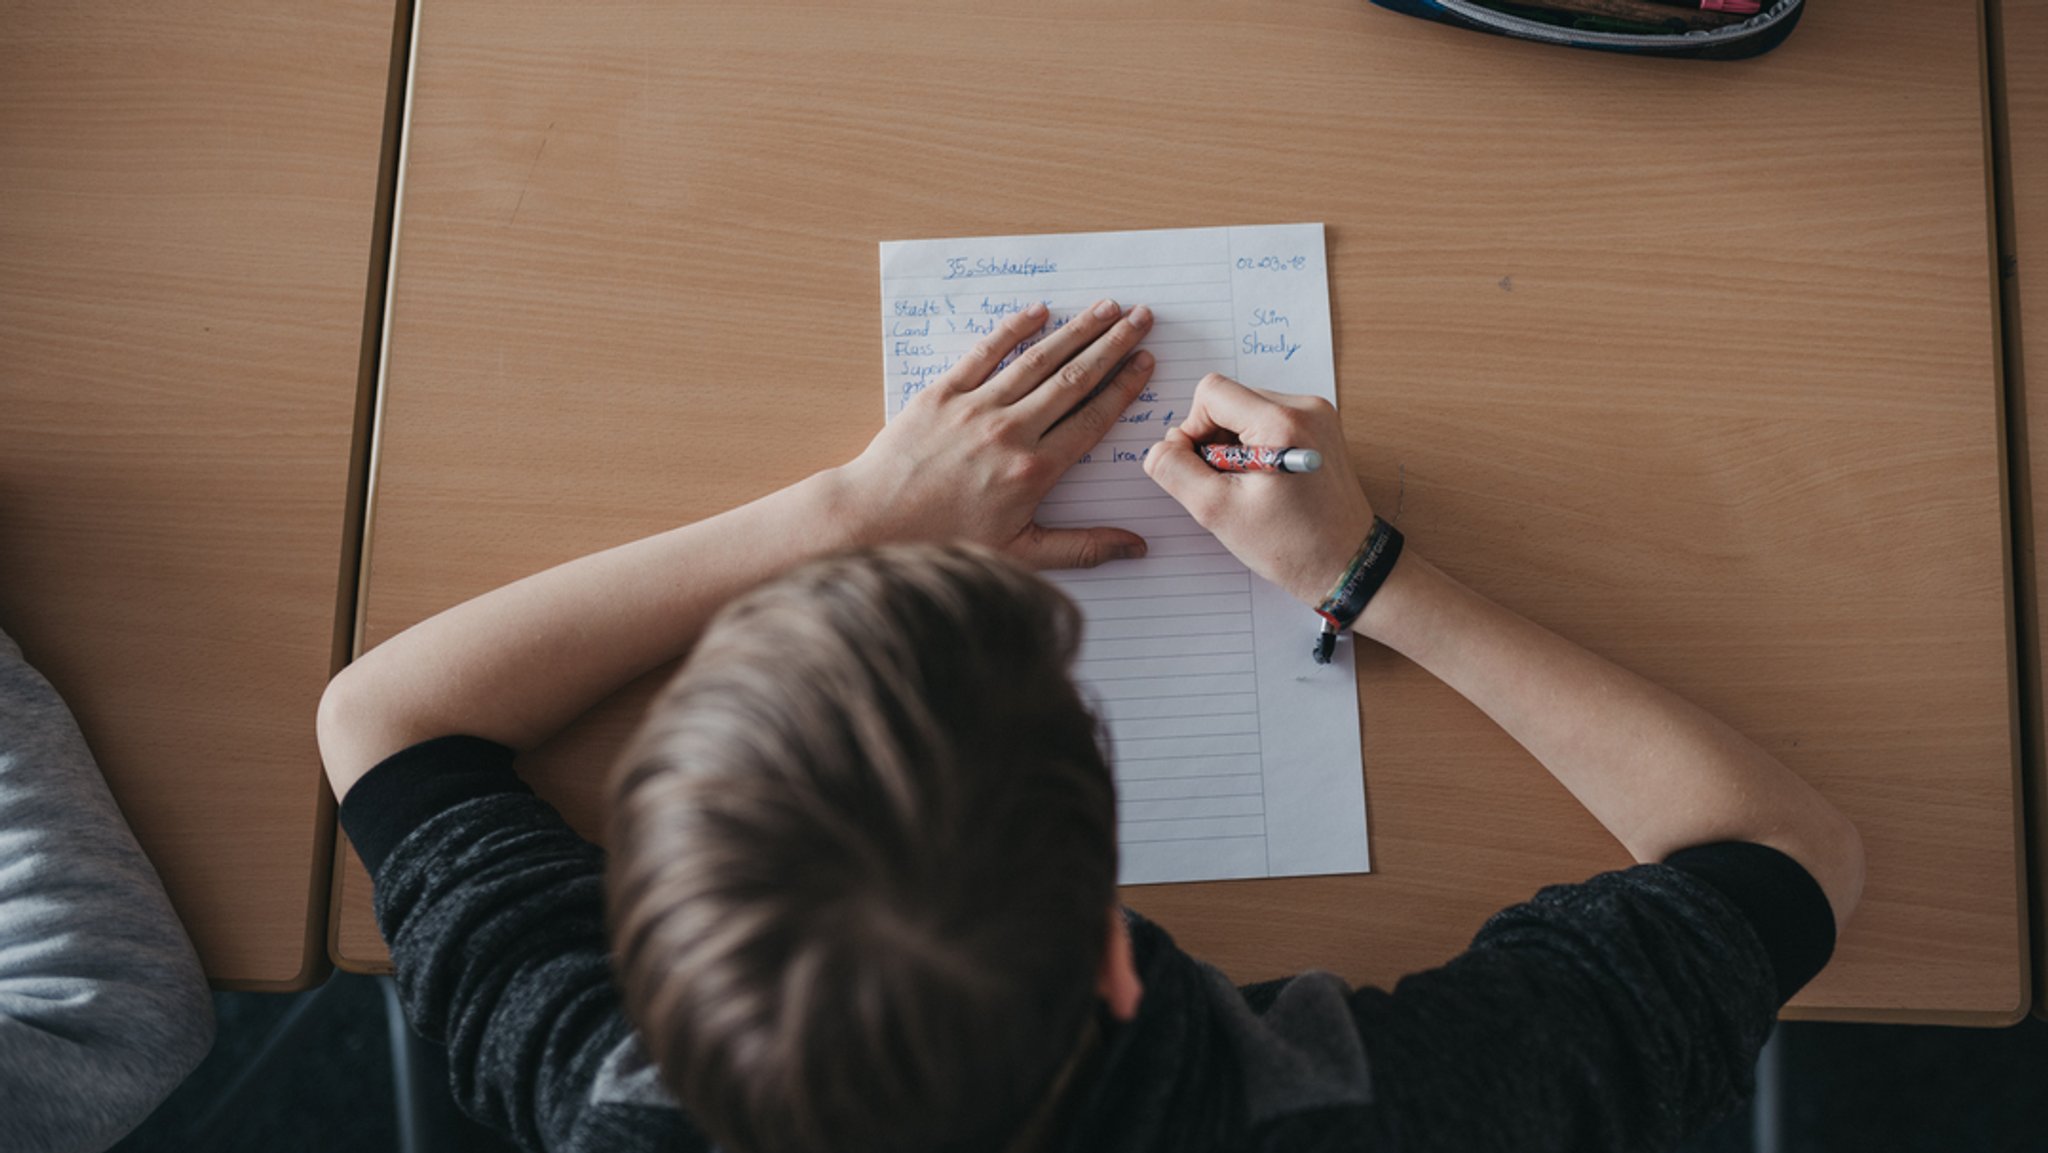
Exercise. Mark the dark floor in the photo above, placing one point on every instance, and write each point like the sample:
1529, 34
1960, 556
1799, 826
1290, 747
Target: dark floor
308, 1073
326, 1086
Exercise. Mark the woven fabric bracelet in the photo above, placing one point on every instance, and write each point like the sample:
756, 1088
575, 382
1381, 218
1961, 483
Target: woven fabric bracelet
1362, 578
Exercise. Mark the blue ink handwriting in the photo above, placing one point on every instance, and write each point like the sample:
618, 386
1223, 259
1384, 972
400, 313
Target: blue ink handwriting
961, 268
1255, 345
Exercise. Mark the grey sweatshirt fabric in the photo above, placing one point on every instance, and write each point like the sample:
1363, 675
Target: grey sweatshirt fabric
103, 1006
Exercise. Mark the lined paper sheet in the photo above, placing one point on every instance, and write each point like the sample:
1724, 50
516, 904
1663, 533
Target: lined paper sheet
1236, 755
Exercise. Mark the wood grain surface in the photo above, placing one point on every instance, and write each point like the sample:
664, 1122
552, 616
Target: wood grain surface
2024, 73
188, 196
1694, 363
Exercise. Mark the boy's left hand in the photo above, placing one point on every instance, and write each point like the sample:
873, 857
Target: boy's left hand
972, 455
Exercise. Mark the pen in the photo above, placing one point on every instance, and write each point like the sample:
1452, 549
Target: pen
1253, 458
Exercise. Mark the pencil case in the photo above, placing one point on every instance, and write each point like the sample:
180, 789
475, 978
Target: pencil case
1734, 40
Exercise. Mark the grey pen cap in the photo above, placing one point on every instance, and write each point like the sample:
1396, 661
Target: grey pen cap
1300, 460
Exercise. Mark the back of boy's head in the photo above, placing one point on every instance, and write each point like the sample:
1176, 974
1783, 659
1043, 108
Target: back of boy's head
864, 856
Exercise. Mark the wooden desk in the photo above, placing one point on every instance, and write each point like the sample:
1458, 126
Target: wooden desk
1695, 363
188, 224
2025, 146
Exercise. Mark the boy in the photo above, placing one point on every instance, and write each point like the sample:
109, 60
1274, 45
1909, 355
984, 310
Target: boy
863, 851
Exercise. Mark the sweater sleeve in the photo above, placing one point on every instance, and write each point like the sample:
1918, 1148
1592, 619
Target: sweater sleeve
99, 986
494, 911
1624, 1013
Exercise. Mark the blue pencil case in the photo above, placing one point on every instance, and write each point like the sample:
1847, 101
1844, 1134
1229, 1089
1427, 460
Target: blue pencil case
1734, 39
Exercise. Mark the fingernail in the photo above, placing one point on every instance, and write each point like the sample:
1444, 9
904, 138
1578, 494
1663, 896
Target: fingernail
1141, 318
1130, 551
1034, 310
1142, 361
1107, 310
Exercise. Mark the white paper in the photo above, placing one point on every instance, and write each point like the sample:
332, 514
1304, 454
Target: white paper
1236, 755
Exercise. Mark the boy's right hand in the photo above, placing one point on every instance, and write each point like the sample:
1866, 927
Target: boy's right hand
1297, 530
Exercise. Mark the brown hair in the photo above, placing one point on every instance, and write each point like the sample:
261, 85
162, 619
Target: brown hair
863, 857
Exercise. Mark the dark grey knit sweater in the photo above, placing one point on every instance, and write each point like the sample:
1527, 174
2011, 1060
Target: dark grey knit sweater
1619, 1014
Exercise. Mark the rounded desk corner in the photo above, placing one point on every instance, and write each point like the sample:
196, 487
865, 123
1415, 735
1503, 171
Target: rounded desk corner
338, 956
1999, 1017
379, 967
314, 969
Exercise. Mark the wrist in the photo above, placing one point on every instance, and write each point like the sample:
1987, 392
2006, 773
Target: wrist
836, 516
1395, 614
1360, 580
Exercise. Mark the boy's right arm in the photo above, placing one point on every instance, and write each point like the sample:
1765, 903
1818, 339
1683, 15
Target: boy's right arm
1656, 770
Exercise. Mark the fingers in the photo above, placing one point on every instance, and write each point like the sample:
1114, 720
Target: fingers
1048, 548
971, 370
1041, 360
1225, 409
1083, 428
1176, 466
1076, 382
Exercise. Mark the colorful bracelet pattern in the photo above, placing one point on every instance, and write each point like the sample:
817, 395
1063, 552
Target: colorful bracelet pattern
1368, 570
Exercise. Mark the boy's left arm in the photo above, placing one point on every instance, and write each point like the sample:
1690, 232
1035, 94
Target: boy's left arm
1622, 1013
968, 458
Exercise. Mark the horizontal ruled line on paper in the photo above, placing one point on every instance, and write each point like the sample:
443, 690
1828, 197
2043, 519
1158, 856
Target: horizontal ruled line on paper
1096, 648
968, 242
1124, 669
1203, 684
1237, 625
1138, 729
1110, 666
1104, 491
1058, 298
1174, 525
1166, 654
1187, 545
1095, 511
1210, 830
1093, 280
1163, 788
1165, 586
1163, 291
1189, 808
1162, 768
1128, 608
1153, 568
1238, 819
1091, 275
1180, 705
960, 339
1189, 746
